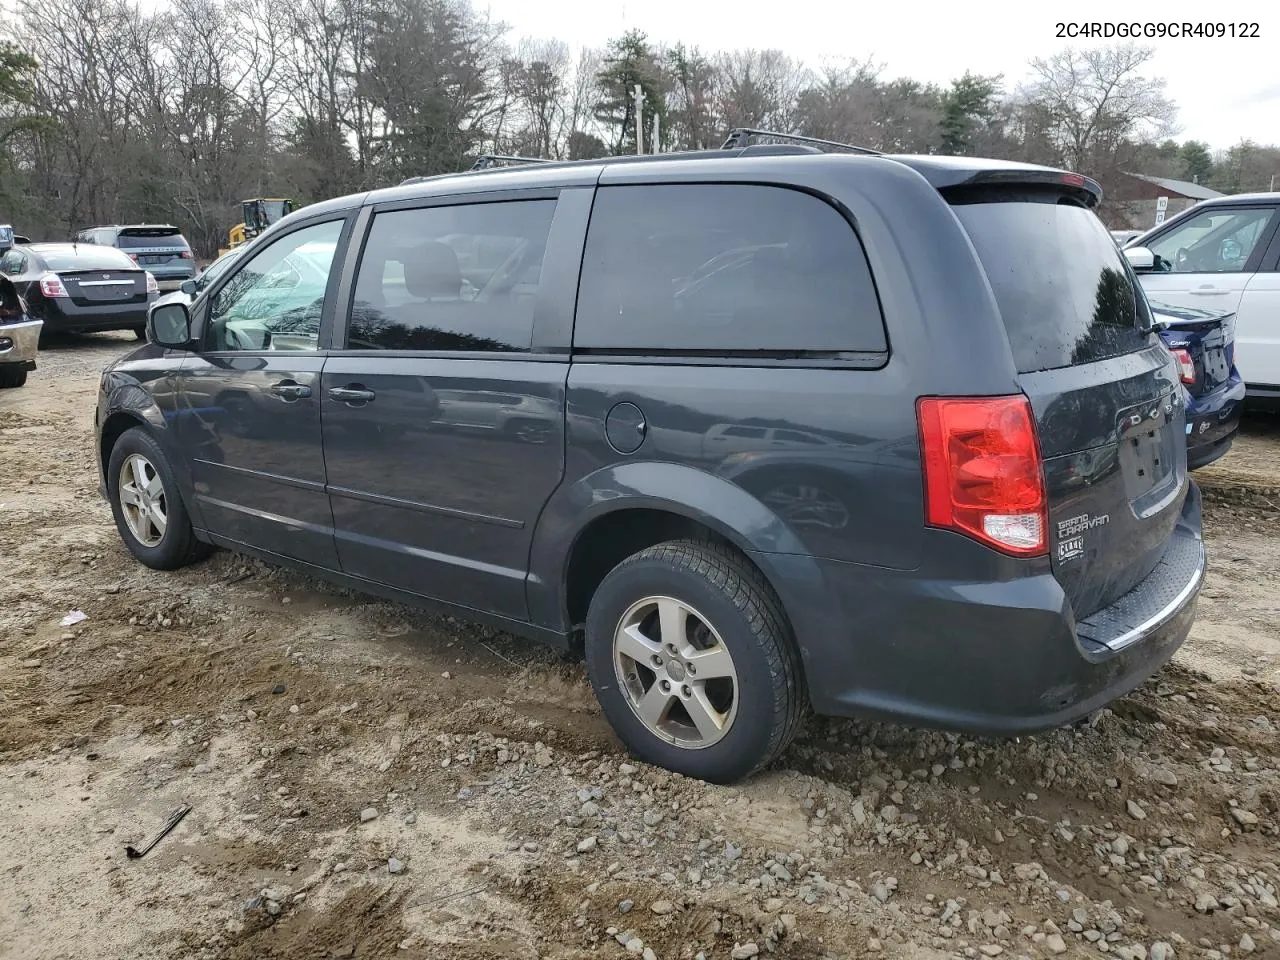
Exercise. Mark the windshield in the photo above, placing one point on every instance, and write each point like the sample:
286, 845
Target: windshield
84, 257
1065, 292
274, 209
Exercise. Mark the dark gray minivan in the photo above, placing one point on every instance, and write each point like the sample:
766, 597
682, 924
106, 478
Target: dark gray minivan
758, 430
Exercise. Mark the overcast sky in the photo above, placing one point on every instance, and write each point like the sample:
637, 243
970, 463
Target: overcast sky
1226, 90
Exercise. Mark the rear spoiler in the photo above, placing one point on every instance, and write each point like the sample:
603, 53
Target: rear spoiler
1076, 185
160, 230
968, 178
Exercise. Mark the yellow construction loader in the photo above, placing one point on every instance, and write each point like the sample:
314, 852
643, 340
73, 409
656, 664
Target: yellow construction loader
259, 214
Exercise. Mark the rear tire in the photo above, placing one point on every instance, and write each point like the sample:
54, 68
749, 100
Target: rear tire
147, 504
692, 660
12, 375
140, 332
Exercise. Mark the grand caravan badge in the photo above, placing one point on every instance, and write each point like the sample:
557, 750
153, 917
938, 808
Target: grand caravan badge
1071, 534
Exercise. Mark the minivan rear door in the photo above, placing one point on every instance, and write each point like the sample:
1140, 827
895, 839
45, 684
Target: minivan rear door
1104, 390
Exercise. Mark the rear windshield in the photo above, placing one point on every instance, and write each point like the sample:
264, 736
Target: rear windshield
1065, 292
151, 239
85, 257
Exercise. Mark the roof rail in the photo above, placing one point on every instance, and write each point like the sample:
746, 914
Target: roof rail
487, 160
741, 137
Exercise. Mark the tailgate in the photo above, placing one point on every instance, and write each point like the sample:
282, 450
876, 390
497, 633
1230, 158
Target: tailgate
1115, 466
1105, 393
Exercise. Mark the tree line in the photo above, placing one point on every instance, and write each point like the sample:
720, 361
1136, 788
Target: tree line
109, 114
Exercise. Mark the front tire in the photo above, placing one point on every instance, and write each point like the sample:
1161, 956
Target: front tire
692, 660
147, 505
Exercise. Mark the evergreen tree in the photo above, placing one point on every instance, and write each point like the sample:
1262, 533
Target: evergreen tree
970, 103
628, 61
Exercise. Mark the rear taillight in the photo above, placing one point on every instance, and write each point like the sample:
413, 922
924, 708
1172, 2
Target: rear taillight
187, 255
133, 257
51, 286
982, 471
152, 286
1186, 366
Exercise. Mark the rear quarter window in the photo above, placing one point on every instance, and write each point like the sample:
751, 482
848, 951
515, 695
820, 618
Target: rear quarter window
1065, 292
724, 269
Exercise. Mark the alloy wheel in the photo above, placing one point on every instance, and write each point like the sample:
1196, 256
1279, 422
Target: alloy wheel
675, 672
143, 500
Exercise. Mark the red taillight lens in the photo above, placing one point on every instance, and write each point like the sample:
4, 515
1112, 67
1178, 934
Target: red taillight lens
1075, 179
152, 286
133, 257
187, 255
51, 285
1186, 366
982, 471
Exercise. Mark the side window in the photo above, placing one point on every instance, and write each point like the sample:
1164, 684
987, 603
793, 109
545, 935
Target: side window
273, 300
451, 278
12, 263
1215, 241
724, 268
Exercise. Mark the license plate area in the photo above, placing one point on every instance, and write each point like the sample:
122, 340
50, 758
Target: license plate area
1148, 457
1215, 365
112, 292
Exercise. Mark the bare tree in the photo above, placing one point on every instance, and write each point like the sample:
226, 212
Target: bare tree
1089, 102
759, 88
580, 126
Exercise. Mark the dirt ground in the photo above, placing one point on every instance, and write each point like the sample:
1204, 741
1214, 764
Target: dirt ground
366, 780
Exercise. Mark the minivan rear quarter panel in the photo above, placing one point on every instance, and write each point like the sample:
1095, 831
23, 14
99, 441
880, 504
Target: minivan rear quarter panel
841, 435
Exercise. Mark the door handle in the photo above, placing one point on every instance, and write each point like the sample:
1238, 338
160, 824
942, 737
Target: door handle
1209, 291
352, 394
289, 390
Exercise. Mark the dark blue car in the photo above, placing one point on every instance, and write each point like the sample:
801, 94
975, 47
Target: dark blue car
1204, 343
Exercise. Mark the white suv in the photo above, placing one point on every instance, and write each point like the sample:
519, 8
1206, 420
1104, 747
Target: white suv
1223, 254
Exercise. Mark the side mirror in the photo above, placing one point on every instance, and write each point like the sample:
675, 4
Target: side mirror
189, 288
1140, 258
169, 325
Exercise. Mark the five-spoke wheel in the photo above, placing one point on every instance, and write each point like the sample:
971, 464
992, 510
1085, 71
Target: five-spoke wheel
147, 504
692, 660
676, 672
142, 500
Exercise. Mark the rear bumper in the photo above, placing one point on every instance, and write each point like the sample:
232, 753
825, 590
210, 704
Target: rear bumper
108, 316
19, 342
1212, 422
995, 658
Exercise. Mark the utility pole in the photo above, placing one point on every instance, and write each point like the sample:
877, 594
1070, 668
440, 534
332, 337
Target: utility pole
657, 139
639, 95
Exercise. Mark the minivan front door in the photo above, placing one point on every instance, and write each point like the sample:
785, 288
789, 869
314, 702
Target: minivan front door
443, 425
249, 400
